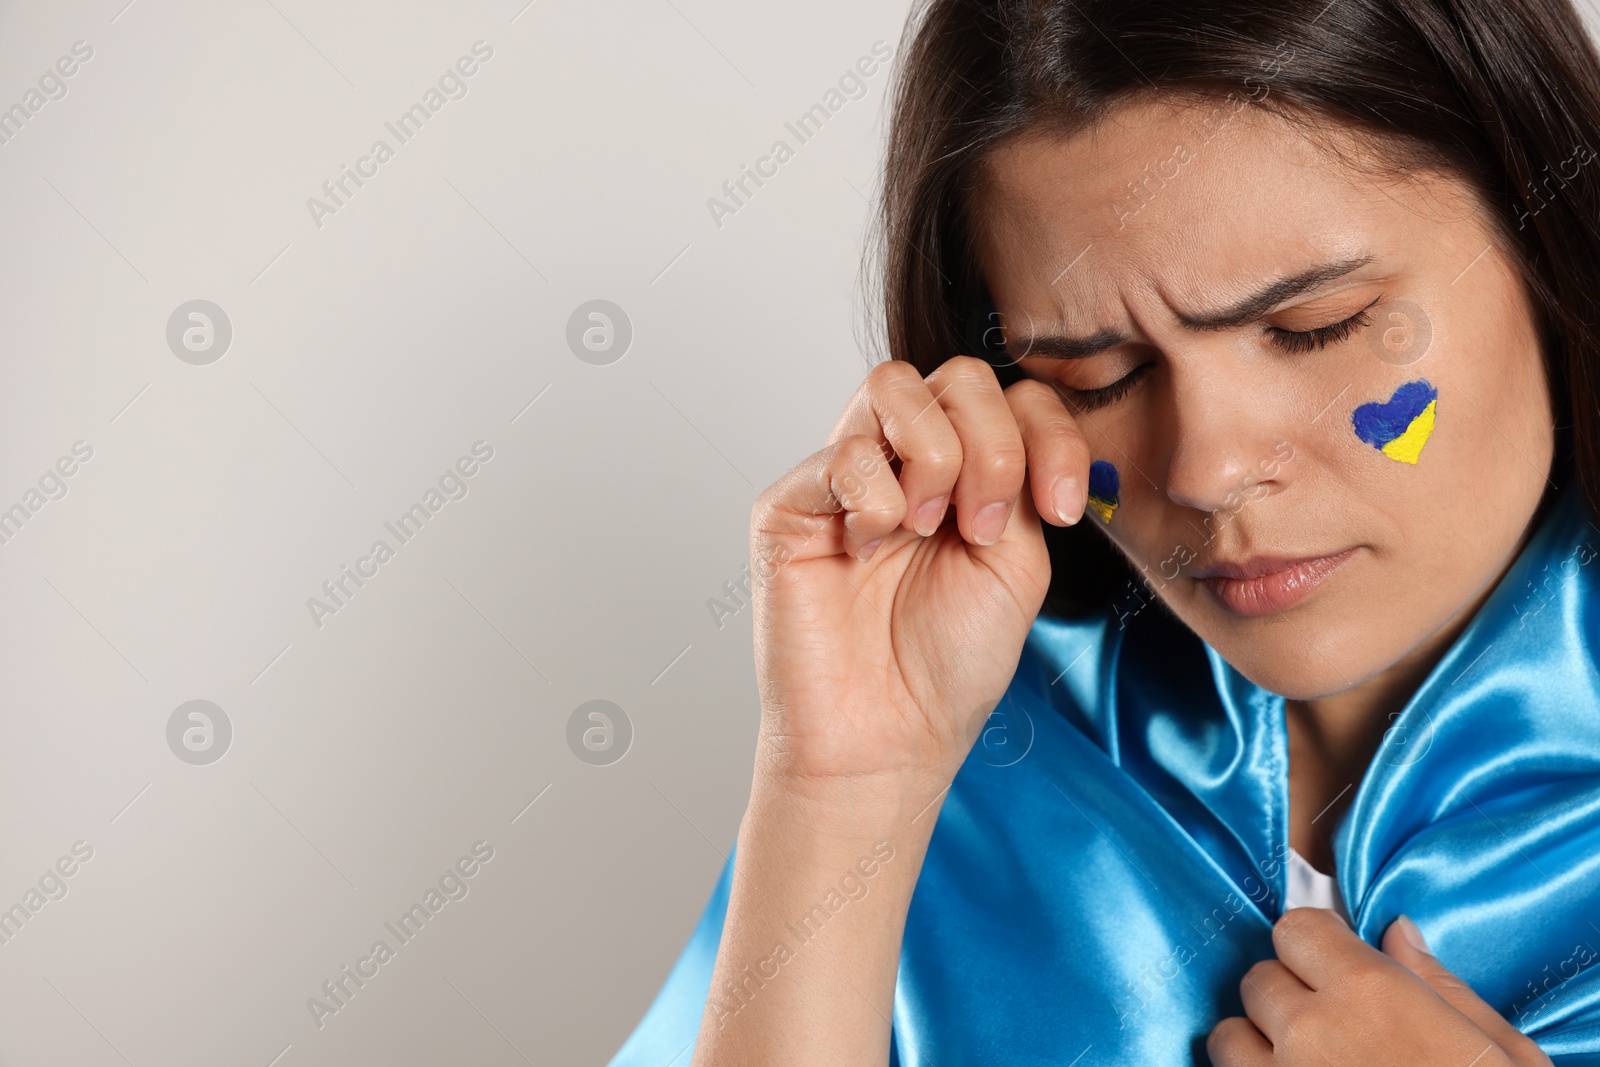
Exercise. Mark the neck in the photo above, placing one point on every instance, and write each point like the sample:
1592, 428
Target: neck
1345, 728
1333, 739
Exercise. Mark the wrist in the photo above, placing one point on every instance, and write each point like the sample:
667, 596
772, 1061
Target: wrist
845, 771
797, 846
854, 799
857, 810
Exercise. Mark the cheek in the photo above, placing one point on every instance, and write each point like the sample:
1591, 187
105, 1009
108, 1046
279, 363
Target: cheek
1400, 426
1134, 516
1105, 489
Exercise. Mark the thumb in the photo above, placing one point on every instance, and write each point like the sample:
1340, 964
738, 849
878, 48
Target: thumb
1404, 943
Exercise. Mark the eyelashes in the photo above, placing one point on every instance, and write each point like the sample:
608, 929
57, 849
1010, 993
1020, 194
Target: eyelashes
1090, 399
1306, 340
1290, 341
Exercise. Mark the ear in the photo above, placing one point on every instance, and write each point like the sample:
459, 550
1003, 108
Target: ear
1404, 943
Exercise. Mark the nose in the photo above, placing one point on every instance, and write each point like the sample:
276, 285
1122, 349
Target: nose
1226, 447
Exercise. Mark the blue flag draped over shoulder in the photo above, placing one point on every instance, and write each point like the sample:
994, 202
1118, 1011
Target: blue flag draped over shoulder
1111, 857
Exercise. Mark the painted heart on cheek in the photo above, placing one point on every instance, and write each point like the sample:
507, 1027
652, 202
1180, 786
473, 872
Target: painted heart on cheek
1103, 487
1400, 426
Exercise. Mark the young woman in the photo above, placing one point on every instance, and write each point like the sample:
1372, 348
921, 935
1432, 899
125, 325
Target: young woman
1257, 344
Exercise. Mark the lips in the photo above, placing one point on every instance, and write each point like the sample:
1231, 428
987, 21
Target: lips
1264, 585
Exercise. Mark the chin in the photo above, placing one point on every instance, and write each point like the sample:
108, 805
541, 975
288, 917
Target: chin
1290, 680
1282, 658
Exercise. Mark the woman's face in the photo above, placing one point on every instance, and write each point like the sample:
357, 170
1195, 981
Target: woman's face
1187, 276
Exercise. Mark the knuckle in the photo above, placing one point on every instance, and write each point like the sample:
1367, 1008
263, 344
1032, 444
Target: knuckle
941, 460
1226, 1038
849, 489
766, 506
1005, 460
871, 462
1368, 982
1260, 973
969, 370
1032, 391
1297, 924
1302, 1039
860, 456
1446, 982
1301, 1013
889, 375
856, 463
857, 451
1037, 403
1527, 1048
892, 370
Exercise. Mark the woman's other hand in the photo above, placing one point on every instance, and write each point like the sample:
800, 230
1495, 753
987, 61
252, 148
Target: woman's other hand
1330, 997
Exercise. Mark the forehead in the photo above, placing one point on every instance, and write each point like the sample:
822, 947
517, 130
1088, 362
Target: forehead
1191, 201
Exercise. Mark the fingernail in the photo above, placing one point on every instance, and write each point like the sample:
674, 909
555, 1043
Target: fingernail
1066, 496
988, 522
865, 552
1413, 935
930, 515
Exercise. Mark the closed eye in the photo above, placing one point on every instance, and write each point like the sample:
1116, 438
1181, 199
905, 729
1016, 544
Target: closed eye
1306, 340
1091, 399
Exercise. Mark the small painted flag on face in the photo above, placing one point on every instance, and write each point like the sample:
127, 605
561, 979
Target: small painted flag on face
1103, 487
1400, 426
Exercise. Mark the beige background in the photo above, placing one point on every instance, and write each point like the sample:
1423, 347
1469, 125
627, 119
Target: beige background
368, 354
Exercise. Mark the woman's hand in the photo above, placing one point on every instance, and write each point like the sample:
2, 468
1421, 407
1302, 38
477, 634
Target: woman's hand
885, 634
1331, 998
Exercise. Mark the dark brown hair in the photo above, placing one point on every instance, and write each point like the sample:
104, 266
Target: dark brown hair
1502, 94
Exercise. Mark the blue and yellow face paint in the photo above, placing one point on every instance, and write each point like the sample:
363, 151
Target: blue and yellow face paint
1401, 425
1103, 487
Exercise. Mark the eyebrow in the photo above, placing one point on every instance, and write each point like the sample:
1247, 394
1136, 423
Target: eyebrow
1252, 307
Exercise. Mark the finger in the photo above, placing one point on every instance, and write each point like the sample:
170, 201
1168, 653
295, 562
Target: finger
993, 462
842, 498
1415, 955
1057, 451
1318, 945
1235, 1042
894, 404
1271, 992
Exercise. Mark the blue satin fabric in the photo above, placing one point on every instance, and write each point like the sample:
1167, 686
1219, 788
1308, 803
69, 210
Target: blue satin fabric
1111, 857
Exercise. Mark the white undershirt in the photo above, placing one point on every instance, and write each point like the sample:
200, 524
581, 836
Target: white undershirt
1310, 888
